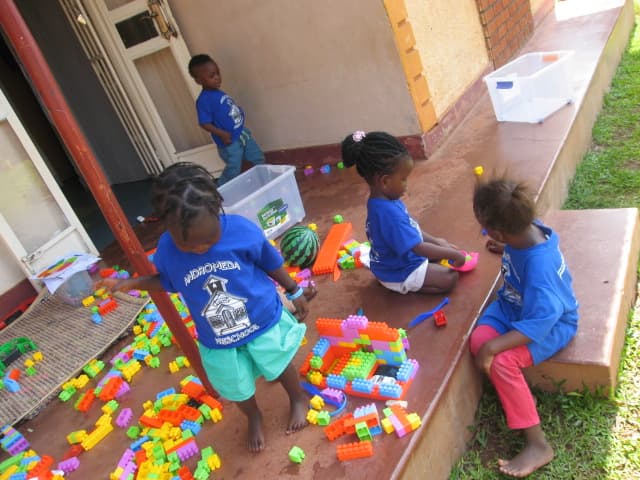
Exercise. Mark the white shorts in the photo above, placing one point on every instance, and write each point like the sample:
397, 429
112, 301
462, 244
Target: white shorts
412, 283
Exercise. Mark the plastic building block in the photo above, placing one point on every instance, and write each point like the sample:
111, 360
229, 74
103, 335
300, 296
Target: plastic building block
478, 171
316, 402
124, 418
325, 168
11, 385
308, 170
296, 454
440, 319
326, 259
69, 465
352, 451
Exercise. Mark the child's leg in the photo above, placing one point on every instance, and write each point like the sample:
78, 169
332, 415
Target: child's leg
256, 436
517, 401
297, 399
252, 152
231, 155
439, 279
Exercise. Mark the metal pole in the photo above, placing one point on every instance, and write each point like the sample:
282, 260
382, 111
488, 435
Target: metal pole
52, 100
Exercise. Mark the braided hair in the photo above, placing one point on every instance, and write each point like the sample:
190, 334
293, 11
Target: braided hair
373, 153
183, 191
504, 205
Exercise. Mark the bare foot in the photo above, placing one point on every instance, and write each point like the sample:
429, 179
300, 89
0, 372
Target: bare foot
255, 441
298, 416
534, 456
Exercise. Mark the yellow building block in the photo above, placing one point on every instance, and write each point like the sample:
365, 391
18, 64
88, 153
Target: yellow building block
387, 426
214, 462
316, 402
88, 301
37, 356
312, 417
414, 421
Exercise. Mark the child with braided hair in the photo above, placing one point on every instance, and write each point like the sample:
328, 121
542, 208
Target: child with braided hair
223, 266
400, 251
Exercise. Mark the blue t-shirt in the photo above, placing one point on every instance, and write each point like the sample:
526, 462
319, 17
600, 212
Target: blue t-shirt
227, 289
392, 234
219, 109
537, 297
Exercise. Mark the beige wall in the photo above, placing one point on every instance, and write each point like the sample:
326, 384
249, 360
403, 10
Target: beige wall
536, 4
451, 45
10, 273
305, 72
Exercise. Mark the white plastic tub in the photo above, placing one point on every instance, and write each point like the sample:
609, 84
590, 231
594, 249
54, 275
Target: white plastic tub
531, 87
267, 195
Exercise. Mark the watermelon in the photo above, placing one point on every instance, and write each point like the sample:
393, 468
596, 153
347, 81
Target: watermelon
299, 246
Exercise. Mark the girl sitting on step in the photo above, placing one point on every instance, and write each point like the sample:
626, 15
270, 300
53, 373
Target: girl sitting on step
534, 316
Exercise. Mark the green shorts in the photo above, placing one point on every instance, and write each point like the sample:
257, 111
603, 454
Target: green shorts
233, 371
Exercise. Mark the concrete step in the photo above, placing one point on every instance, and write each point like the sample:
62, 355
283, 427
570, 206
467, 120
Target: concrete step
601, 249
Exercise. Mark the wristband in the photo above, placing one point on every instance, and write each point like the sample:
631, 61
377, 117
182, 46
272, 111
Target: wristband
297, 294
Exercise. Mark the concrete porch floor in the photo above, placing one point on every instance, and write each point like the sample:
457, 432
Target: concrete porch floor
447, 389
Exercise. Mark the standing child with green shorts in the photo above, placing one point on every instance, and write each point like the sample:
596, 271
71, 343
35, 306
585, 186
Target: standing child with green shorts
224, 267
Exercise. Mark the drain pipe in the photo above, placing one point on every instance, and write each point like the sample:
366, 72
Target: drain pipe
43, 83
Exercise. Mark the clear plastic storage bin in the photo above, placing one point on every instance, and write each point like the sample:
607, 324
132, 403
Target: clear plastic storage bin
531, 87
75, 288
267, 195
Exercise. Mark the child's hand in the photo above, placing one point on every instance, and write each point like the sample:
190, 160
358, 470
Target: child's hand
458, 258
113, 284
225, 137
484, 359
444, 243
302, 307
495, 246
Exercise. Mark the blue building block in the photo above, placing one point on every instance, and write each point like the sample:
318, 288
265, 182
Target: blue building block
391, 390
195, 427
362, 385
336, 381
321, 347
137, 445
164, 393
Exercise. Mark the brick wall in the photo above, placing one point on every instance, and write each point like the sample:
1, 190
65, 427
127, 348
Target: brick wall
507, 24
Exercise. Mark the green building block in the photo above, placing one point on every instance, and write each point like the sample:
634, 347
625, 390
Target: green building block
296, 454
133, 432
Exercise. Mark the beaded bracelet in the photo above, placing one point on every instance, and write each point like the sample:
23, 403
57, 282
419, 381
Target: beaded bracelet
297, 294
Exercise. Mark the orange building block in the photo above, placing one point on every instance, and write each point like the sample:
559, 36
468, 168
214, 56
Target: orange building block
210, 401
193, 389
329, 327
328, 254
351, 451
14, 374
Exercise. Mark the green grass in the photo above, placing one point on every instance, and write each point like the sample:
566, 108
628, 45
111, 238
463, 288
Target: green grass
594, 436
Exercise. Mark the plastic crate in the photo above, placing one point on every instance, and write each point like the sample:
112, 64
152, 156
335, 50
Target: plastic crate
531, 87
267, 195
75, 288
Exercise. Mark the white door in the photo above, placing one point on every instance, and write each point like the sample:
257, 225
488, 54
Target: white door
150, 56
37, 223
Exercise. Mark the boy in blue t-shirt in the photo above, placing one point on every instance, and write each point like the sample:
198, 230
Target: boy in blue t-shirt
219, 115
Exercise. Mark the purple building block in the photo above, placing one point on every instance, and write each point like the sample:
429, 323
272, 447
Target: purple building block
126, 458
358, 322
124, 388
69, 465
124, 418
187, 451
333, 394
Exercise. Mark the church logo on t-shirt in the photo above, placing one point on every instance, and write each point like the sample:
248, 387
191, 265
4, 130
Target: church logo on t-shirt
226, 313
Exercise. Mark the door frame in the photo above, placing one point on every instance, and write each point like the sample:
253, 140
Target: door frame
75, 226
104, 21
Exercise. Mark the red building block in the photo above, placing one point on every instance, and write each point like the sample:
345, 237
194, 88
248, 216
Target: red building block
439, 318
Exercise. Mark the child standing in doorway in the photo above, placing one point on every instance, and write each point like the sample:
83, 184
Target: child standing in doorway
219, 115
534, 316
223, 265
400, 251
